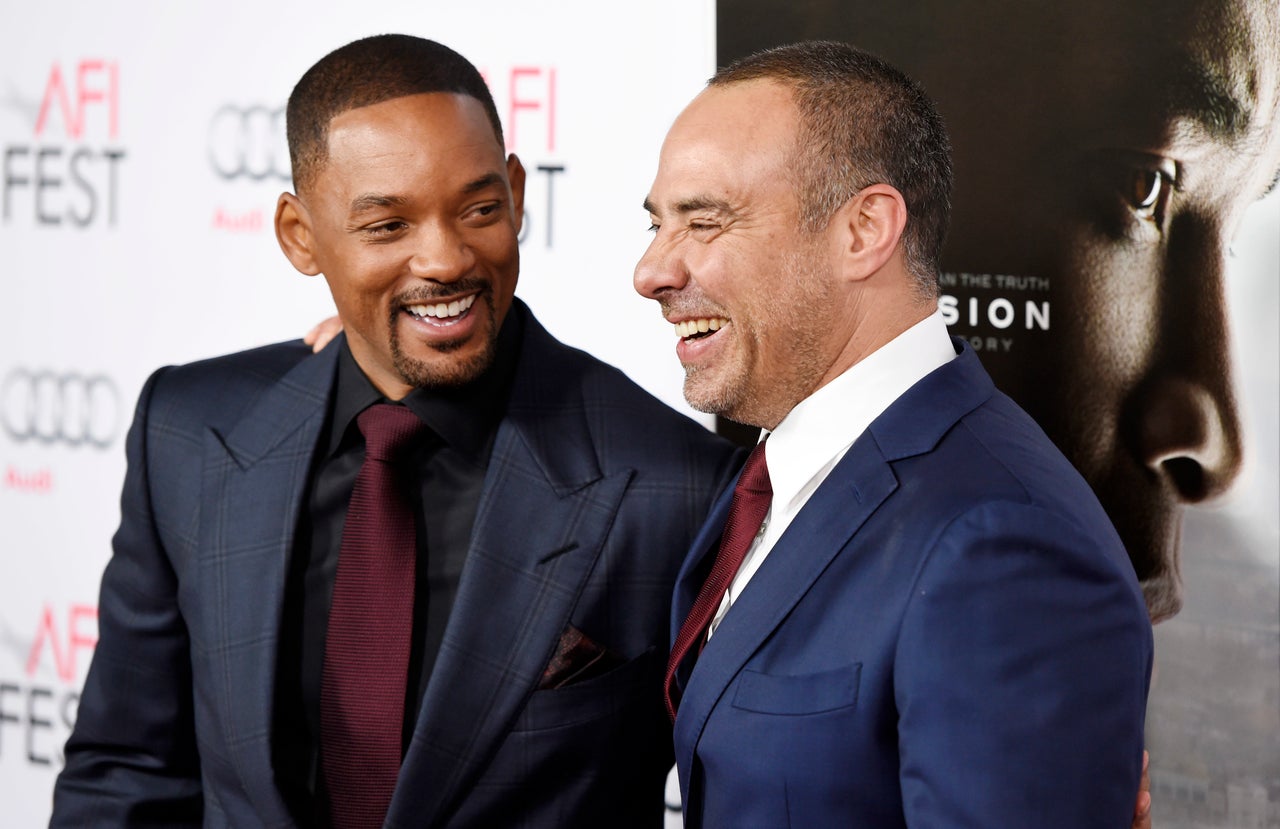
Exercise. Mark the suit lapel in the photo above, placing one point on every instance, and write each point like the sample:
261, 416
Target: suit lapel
824, 528
853, 491
543, 516
254, 479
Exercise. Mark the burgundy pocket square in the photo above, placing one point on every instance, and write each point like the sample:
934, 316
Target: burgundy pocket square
578, 657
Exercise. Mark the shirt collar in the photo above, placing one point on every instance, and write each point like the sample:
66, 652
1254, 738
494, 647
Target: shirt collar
821, 427
464, 416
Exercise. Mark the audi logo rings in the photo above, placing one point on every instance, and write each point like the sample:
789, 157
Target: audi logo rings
249, 142
69, 409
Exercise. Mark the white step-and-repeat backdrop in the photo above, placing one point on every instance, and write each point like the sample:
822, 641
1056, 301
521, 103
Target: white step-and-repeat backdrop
141, 153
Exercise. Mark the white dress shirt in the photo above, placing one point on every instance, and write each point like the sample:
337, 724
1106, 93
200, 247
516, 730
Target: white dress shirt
814, 436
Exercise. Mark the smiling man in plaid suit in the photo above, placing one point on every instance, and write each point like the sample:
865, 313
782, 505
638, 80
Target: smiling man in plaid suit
551, 502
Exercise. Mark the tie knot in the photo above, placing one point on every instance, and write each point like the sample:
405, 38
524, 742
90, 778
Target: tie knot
755, 473
387, 429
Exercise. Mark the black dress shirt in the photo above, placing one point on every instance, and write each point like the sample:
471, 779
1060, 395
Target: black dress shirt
451, 465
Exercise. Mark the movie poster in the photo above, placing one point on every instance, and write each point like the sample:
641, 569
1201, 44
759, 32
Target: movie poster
1113, 257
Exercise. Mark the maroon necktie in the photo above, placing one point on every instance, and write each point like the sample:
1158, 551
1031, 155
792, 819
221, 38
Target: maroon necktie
366, 656
750, 504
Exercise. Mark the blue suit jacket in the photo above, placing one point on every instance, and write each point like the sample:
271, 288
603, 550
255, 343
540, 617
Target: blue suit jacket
592, 495
949, 634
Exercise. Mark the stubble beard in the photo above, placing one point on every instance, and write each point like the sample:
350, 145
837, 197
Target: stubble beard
730, 390
421, 374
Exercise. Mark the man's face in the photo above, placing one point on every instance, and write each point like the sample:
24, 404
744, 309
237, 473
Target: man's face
1122, 176
750, 293
413, 220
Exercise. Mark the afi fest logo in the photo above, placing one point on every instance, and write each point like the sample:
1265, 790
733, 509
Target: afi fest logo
527, 97
67, 174
38, 708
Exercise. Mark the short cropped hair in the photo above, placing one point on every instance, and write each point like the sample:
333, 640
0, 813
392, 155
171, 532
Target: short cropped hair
366, 72
862, 122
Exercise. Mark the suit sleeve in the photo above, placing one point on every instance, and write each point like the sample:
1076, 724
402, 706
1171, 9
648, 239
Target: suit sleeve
131, 759
1021, 679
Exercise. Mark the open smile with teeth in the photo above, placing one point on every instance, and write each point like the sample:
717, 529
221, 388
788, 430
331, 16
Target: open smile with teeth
443, 311
693, 329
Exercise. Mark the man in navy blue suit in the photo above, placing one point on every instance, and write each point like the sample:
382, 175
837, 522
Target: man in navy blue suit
935, 624
541, 592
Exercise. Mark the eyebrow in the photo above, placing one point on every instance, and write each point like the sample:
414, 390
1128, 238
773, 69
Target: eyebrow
487, 180
371, 201
1271, 188
693, 203
1206, 95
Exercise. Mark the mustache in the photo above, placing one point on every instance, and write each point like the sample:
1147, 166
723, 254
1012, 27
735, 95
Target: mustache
687, 306
426, 294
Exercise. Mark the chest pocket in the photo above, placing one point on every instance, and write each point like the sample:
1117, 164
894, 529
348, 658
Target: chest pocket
814, 693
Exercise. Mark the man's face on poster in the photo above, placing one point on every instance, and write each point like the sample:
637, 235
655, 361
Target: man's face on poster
1119, 169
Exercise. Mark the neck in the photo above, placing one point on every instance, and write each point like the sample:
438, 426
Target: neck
872, 329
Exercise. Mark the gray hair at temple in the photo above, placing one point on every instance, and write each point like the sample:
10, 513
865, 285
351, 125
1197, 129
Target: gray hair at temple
862, 122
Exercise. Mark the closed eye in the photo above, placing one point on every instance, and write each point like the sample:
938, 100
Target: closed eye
383, 230
704, 231
482, 213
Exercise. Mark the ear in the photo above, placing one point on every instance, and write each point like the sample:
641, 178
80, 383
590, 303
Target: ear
870, 227
293, 232
515, 176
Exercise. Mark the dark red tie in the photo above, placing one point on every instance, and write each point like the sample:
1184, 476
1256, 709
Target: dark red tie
750, 504
366, 655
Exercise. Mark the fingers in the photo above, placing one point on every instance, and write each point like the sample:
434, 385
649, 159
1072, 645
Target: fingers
323, 333
1142, 808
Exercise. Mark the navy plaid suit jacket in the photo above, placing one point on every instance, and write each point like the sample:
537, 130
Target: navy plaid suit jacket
593, 493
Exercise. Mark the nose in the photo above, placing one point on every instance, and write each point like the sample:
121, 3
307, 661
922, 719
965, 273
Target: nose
1189, 435
659, 270
1188, 429
441, 254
